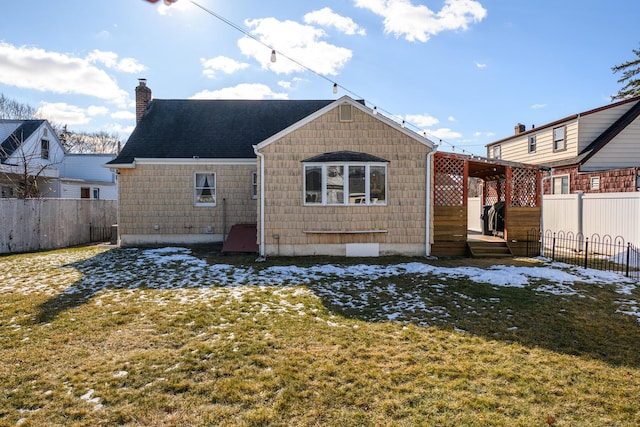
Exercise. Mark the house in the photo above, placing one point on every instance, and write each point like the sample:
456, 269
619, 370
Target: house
34, 163
312, 177
596, 151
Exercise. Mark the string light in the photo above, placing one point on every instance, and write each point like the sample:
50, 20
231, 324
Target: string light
335, 85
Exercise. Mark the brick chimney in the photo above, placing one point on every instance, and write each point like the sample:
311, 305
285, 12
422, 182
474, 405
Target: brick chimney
520, 128
143, 97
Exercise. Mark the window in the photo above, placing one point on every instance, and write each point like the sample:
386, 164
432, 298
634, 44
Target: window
595, 182
561, 184
345, 184
44, 148
205, 189
559, 139
532, 144
85, 193
496, 152
254, 185
96, 193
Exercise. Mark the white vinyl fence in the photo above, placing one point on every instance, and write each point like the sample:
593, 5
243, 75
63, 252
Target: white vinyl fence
41, 224
613, 214
474, 212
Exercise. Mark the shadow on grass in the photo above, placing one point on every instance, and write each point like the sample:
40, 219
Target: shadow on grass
586, 324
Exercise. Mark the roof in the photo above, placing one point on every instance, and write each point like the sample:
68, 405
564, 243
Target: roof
566, 119
220, 129
345, 156
24, 130
603, 139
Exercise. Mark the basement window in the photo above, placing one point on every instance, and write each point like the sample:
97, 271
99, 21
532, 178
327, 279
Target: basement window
205, 189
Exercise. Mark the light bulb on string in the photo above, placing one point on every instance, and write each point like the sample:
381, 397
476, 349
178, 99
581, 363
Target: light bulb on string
273, 56
335, 88
375, 111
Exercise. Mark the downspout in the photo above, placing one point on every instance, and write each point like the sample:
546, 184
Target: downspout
429, 172
261, 157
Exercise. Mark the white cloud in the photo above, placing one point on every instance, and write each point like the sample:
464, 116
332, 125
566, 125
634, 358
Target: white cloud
307, 47
421, 120
176, 6
538, 106
95, 110
34, 68
418, 23
63, 113
328, 18
479, 65
444, 133
451, 119
110, 60
223, 64
123, 115
284, 84
241, 91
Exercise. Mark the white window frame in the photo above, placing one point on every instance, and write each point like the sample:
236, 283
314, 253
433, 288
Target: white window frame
346, 199
594, 183
556, 142
212, 187
254, 185
45, 149
532, 144
560, 177
497, 152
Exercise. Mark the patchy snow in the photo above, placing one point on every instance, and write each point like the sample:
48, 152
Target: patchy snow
136, 273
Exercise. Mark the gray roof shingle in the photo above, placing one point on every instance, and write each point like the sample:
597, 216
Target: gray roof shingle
220, 129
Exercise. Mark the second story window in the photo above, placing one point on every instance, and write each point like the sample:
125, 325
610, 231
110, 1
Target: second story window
532, 144
44, 149
559, 139
496, 152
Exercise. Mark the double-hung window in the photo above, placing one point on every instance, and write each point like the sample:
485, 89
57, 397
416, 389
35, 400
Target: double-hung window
532, 144
205, 189
345, 183
44, 149
560, 184
560, 139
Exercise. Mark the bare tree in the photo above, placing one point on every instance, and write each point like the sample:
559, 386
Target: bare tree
92, 142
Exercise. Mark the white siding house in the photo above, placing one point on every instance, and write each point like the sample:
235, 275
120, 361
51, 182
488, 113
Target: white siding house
593, 151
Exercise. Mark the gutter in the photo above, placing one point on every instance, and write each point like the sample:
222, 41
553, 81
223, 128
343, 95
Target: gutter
428, 168
261, 157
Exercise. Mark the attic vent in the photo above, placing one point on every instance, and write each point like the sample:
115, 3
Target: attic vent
346, 113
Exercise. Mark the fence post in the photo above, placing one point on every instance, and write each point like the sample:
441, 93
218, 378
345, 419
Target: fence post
553, 247
586, 252
628, 258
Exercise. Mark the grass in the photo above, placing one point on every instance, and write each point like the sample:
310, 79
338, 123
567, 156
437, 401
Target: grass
98, 337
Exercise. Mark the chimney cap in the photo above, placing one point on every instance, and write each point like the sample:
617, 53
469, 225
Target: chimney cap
142, 81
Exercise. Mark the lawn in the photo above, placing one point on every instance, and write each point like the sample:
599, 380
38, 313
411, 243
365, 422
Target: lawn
97, 336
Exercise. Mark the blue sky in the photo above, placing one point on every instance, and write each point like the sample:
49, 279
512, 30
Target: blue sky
463, 71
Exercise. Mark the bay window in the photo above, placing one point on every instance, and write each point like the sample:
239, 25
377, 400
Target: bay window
348, 183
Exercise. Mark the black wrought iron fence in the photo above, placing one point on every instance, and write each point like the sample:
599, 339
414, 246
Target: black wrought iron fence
600, 252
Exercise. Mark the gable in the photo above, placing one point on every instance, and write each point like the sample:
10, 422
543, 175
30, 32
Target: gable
20, 133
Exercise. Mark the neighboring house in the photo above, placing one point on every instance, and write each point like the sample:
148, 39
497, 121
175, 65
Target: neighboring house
314, 177
31, 153
83, 177
596, 151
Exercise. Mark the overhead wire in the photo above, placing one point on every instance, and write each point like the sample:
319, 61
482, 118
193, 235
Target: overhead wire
274, 53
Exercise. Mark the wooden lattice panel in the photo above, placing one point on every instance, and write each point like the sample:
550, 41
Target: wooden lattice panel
523, 187
494, 191
449, 181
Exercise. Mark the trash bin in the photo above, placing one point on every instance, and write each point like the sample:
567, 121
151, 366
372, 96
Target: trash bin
485, 220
